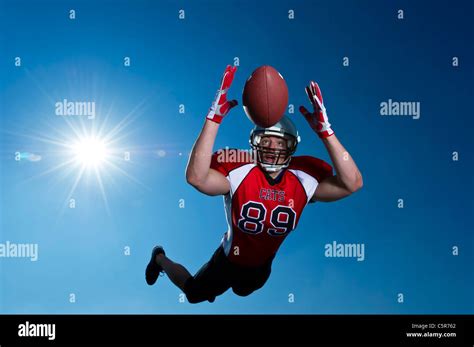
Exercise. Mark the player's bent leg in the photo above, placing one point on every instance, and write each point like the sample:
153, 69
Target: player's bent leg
177, 273
197, 291
212, 280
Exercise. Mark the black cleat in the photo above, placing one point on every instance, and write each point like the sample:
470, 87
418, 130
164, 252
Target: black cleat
153, 270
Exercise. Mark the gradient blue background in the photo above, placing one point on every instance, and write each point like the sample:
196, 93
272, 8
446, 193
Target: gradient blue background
176, 62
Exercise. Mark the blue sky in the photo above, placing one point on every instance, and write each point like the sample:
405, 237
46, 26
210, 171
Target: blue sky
175, 62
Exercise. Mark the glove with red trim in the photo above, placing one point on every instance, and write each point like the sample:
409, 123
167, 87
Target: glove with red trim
318, 120
220, 107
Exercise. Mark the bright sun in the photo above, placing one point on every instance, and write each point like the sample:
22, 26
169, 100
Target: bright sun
90, 152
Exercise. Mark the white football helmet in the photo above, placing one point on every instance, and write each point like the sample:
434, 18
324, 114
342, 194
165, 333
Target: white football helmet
285, 129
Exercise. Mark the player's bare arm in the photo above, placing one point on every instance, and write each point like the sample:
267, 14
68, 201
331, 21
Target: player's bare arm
198, 172
348, 178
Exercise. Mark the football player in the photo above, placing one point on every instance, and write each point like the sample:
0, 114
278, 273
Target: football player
264, 196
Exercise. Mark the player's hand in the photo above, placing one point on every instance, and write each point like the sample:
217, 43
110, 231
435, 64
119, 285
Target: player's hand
318, 119
221, 106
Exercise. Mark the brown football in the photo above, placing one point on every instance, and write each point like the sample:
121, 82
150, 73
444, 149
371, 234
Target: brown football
265, 96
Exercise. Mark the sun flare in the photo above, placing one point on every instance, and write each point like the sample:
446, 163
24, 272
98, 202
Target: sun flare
90, 152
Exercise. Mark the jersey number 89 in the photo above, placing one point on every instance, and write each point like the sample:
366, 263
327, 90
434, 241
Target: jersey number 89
253, 215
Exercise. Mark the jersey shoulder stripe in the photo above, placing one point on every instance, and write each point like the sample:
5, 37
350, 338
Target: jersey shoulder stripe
308, 183
237, 176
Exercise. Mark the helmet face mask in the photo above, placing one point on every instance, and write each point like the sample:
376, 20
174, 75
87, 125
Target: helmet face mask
275, 159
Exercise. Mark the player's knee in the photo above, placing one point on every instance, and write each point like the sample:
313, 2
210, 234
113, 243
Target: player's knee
242, 291
194, 299
193, 294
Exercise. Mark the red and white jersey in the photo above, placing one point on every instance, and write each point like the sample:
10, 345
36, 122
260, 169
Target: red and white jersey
261, 211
